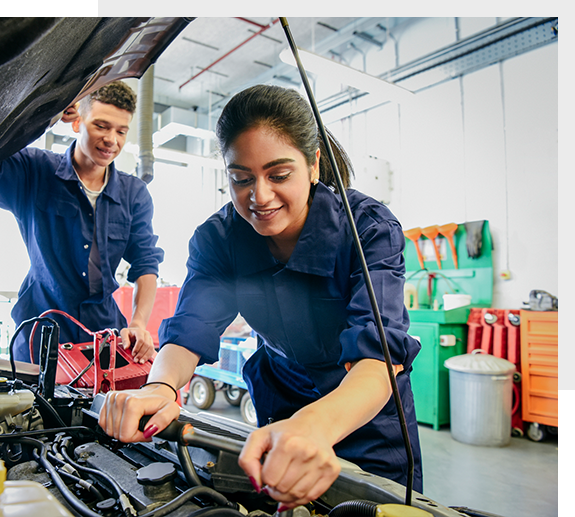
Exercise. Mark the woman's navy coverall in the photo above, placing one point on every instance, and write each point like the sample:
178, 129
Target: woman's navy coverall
312, 316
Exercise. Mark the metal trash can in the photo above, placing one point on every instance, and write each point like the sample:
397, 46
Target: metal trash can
481, 397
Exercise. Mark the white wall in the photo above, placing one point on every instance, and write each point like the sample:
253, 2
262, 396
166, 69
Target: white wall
484, 147
480, 147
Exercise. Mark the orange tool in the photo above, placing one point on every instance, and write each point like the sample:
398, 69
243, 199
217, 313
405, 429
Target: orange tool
431, 232
413, 235
448, 231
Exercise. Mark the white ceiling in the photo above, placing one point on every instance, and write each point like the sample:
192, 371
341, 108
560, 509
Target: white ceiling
211, 59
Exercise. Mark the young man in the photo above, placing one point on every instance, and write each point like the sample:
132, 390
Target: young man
79, 217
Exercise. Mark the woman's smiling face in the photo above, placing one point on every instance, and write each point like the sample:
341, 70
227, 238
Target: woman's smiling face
270, 183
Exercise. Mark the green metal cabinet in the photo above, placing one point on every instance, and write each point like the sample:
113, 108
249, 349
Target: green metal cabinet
430, 378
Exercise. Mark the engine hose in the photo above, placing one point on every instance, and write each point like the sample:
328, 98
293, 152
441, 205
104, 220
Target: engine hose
46, 405
83, 483
188, 466
87, 470
71, 499
190, 494
43, 432
356, 508
217, 512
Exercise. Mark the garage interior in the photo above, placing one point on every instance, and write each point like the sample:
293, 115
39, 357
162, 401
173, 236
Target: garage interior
469, 137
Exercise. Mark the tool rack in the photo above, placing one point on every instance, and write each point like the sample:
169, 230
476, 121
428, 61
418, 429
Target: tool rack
443, 333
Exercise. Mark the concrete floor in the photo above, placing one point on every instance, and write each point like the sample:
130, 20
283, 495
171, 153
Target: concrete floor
519, 480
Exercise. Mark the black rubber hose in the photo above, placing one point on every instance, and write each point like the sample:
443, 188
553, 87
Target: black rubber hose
83, 483
188, 466
190, 494
217, 512
18, 330
356, 508
46, 405
71, 499
87, 470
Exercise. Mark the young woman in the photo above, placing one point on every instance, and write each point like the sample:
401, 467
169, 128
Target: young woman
282, 255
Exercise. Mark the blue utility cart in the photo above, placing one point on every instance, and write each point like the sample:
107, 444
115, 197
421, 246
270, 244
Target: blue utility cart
226, 376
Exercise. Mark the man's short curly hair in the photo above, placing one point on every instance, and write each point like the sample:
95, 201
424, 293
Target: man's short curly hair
116, 93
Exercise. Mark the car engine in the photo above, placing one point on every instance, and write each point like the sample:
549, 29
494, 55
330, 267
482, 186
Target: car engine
49, 434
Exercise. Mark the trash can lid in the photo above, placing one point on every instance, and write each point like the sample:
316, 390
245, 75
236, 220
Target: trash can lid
479, 362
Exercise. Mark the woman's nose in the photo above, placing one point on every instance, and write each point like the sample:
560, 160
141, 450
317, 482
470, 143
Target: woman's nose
261, 193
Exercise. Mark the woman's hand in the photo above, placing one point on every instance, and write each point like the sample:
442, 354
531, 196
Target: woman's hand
122, 410
300, 464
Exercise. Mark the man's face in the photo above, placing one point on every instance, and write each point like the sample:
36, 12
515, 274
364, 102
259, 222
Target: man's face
102, 134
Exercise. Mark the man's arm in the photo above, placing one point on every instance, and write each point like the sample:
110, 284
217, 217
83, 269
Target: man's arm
136, 335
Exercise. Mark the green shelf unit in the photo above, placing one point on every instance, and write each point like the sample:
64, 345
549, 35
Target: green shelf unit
474, 276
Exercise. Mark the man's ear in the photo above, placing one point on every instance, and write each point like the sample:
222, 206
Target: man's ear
76, 124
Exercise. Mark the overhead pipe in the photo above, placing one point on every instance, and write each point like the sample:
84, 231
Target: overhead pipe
145, 109
263, 29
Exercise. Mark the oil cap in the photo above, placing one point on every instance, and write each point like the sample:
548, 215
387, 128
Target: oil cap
156, 474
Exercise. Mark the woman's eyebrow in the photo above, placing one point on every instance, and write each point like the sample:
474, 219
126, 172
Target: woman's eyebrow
279, 161
268, 165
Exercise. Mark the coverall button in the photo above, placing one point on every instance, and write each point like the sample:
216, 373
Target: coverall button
86, 246
83, 273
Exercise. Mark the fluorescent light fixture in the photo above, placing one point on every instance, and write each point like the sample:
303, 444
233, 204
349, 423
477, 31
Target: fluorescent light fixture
178, 157
173, 129
346, 75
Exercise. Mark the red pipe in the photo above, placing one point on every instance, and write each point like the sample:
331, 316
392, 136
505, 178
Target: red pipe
250, 21
230, 52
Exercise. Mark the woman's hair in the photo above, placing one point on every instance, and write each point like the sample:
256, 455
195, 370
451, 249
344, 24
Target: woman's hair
288, 114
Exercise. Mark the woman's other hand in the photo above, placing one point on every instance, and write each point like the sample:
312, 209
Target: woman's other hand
300, 464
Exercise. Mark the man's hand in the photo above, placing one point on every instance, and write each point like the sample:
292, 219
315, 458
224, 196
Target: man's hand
141, 342
70, 113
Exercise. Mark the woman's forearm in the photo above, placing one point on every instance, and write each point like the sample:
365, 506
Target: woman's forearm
173, 365
363, 392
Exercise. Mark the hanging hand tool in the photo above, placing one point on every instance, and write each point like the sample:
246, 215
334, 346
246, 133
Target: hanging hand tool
448, 231
431, 232
474, 241
413, 235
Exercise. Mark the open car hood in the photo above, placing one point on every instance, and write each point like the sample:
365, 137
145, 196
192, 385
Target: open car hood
46, 64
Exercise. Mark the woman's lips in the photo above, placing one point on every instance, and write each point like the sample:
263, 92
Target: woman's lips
264, 215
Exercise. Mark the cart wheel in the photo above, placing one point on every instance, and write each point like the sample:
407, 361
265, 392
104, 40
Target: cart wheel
234, 394
202, 392
516, 432
536, 432
248, 411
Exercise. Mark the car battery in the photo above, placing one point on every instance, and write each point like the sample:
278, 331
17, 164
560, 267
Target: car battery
110, 371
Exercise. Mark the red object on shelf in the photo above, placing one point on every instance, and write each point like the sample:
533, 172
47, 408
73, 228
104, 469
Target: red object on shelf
500, 339
475, 330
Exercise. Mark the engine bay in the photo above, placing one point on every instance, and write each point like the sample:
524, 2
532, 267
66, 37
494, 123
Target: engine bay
57, 443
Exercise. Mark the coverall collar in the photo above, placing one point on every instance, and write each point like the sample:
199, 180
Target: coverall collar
316, 249
66, 172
